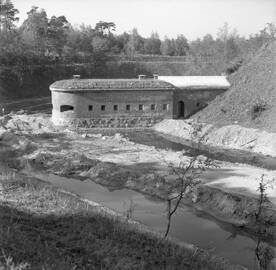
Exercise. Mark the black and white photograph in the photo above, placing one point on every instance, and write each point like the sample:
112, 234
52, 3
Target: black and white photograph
138, 135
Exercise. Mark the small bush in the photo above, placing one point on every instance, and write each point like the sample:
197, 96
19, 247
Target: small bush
257, 109
234, 66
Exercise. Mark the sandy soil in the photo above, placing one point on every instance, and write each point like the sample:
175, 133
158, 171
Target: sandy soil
228, 137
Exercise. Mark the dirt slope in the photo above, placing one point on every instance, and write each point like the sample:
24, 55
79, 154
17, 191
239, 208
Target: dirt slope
251, 100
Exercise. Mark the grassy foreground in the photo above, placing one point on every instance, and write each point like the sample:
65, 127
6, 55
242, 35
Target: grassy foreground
42, 227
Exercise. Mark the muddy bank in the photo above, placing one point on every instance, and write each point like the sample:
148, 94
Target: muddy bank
236, 209
231, 207
226, 137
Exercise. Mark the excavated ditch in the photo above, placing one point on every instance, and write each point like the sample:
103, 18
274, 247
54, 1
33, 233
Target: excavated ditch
57, 157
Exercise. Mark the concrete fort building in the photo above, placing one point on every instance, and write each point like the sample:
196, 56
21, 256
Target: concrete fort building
131, 102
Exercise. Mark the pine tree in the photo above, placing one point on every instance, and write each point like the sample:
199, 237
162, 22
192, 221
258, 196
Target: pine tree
7, 16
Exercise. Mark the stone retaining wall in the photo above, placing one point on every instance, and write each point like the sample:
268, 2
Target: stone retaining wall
130, 122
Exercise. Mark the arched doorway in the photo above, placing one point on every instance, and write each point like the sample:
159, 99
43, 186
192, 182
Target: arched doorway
181, 109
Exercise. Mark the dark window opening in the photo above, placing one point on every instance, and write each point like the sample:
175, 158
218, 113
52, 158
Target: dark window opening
128, 107
198, 104
141, 107
165, 107
90, 107
103, 107
64, 108
153, 107
115, 107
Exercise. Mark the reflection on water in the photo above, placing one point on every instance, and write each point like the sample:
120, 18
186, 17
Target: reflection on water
188, 225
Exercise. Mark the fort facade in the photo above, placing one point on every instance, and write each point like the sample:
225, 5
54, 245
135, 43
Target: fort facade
131, 102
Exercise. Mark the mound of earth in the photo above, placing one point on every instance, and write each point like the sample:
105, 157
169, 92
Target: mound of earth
251, 100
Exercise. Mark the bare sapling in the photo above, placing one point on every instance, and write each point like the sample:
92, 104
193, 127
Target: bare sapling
129, 209
187, 173
263, 252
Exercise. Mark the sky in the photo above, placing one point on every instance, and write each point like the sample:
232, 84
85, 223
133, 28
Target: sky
192, 18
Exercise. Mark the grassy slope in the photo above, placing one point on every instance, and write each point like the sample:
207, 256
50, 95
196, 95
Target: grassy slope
253, 84
49, 229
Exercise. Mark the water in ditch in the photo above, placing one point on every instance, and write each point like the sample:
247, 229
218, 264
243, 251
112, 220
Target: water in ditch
188, 225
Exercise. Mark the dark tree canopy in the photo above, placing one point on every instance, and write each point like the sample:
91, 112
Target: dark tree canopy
41, 39
105, 27
8, 16
34, 30
57, 34
153, 44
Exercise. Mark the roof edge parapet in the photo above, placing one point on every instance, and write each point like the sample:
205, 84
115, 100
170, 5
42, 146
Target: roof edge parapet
110, 84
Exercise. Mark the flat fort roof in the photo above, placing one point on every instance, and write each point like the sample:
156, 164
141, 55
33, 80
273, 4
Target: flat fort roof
162, 83
110, 84
197, 82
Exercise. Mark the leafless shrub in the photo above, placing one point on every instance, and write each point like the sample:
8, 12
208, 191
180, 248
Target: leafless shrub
264, 253
258, 107
187, 174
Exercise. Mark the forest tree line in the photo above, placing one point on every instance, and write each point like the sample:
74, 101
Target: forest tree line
43, 40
